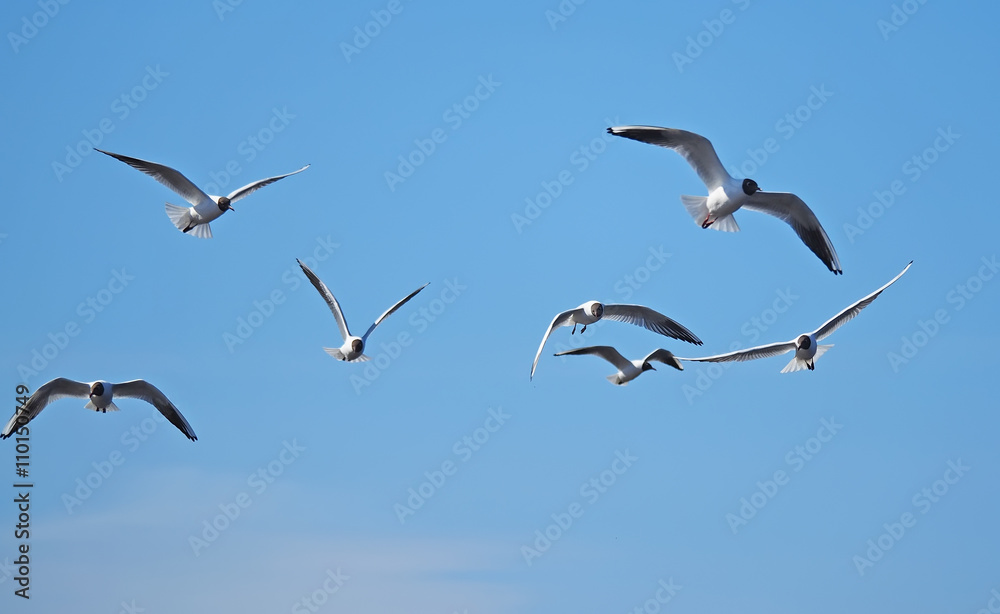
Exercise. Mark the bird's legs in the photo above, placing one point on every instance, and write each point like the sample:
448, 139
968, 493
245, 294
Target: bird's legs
584, 329
573, 332
811, 365
708, 221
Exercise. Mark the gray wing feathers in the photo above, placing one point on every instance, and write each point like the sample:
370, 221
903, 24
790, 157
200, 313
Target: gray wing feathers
606, 352
331, 301
666, 357
797, 214
650, 320
560, 320
696, 149
848, 314
141, 389
51, 391
250, 188
164, 174
391, 310
762, 351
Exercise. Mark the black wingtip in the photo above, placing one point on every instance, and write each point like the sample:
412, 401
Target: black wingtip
611, 130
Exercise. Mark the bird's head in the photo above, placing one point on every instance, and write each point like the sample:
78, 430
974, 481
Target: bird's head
225, 204
648, 367
750, 187
97, 389
803, 342
357, 346
596, 309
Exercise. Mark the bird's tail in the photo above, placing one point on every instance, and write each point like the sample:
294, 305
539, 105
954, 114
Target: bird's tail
797, 364
336, 353
616, 380
180, 216
697, 208
90, 405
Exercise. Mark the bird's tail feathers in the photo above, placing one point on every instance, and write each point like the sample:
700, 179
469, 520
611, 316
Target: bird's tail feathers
616, 380
335, 352
820, 350
180, 216
795, 364
202, 231
726, 224
362, 358
697, 207
90, 405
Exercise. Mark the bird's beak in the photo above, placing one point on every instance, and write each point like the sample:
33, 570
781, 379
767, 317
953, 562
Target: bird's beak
230, 208
652, 367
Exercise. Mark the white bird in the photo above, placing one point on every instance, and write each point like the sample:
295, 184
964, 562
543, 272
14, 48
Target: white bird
726, 194
353, 349
807, 352
628, 370
101, 397
592, 311
205, 208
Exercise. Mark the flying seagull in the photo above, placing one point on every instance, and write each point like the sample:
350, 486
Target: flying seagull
353, 349
726, 194
205, 208
592, 311
806, 350
628, 370
101, 397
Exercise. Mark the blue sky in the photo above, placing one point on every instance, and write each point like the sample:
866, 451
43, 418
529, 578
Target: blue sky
465, 146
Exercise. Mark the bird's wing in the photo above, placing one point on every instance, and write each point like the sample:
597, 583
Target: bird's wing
696, 149
666, 357
651, 320
761, 351
167, 176
847, 314
391, 310
606, 352
329, 298
791, 209
560, 320
141, 389
46, 393
250, 188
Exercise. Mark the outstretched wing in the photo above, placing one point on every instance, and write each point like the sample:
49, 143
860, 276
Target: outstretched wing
331, 301
561, 319
391, 310
761, 351
250, 188
46, 393
844, 316
794, 211
169, 177
606, 352
696, 149
666, 357
141, 389
650, 320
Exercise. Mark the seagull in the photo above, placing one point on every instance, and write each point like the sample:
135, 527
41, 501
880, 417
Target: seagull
353, 349
628, 370
101, 397
726, 194
194, 219
592, 311
806, 350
